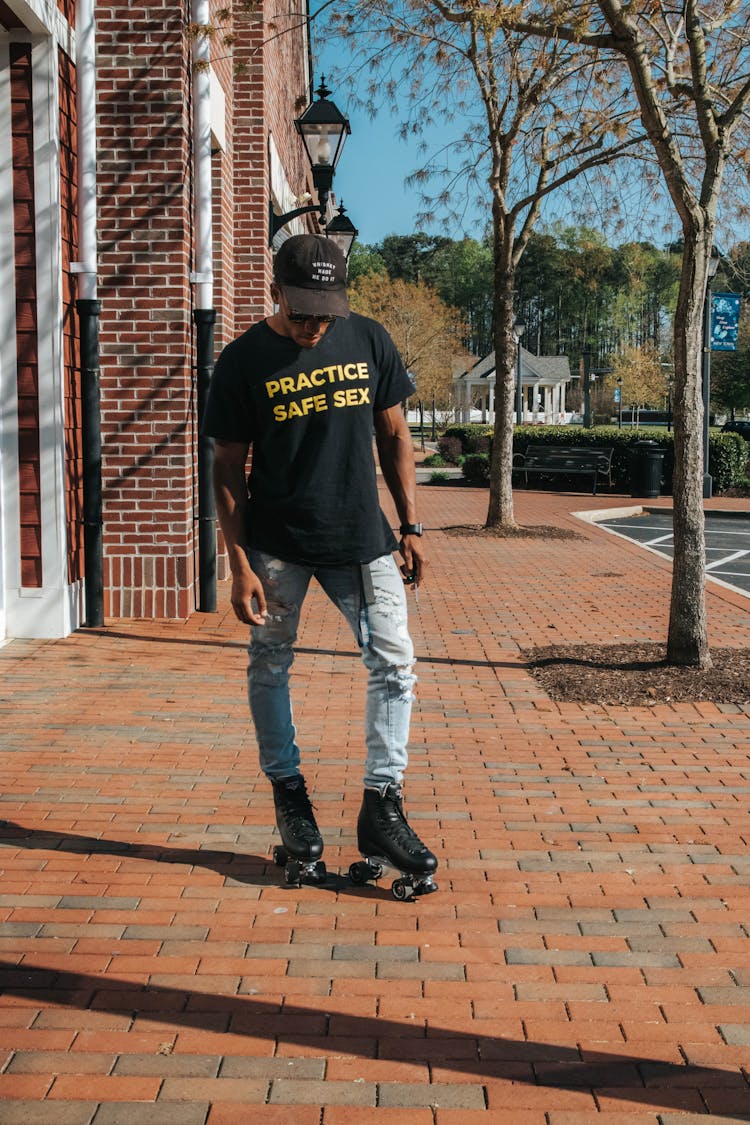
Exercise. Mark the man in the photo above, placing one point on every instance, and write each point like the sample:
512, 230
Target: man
305, 388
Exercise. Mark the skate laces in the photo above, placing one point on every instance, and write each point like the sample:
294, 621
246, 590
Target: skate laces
295, 804
392, 806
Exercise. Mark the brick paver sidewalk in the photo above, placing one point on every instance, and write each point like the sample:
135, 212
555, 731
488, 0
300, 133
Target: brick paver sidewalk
586, 958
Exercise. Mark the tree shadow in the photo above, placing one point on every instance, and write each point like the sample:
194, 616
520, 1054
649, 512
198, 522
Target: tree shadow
107, 632
632, 1079
244, 868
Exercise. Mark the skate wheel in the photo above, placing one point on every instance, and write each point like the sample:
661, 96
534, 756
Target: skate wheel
280, 856
319, 873
426, 888
401, 890
358, 873
293, 873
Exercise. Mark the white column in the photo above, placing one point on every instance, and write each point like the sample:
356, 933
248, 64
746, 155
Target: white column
203, 276
86, 106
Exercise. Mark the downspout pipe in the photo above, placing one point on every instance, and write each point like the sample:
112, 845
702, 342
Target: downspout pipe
204, 313
88, 308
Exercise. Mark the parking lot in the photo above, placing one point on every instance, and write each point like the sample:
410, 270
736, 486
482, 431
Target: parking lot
727, 541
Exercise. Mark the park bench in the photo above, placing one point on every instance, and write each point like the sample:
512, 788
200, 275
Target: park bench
566, 461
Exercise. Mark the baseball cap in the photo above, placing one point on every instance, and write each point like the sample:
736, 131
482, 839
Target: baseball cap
311, 270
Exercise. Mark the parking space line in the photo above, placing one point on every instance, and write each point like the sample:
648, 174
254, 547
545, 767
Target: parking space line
726, 559
659, 539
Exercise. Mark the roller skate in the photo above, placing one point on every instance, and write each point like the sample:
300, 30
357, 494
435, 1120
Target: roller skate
302, 846
385, 838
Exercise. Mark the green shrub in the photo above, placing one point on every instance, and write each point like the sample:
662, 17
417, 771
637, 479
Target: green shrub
727, 452
476, 468
433, 459
450, 448
474, 437
439, 478
727, 460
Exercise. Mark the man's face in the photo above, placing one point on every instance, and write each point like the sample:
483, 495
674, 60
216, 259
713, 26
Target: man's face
306, 331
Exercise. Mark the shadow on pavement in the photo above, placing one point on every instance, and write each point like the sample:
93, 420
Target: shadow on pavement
633, 1079
239, 867
422, 658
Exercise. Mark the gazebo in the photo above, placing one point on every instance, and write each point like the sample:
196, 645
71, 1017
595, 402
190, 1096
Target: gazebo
543, 382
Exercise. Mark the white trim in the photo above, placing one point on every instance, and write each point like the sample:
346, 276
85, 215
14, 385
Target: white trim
50, 320
202, 179
42, 17
282, 196
10, 535
86, 113
55, 609
218, 112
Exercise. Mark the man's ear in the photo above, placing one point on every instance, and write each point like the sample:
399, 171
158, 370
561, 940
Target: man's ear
275, 293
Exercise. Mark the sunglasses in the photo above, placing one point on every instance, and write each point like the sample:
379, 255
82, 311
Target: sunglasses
302, 318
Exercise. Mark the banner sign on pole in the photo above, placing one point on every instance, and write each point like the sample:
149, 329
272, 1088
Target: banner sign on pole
725, 321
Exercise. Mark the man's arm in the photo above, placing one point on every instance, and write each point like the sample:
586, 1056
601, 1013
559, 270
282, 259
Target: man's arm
231, 507
396, 454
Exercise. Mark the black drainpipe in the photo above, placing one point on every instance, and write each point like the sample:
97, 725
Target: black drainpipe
88, 317
204, 322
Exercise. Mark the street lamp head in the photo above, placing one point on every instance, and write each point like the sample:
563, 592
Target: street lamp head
342, 231
519, 327
323, 128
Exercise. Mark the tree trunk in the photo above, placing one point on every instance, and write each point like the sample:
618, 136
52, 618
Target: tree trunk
500, 510
687, 641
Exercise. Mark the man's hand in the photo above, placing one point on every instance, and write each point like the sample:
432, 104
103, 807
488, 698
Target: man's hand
246, 586
413, 552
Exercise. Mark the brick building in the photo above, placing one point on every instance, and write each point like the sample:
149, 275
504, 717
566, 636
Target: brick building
144, 277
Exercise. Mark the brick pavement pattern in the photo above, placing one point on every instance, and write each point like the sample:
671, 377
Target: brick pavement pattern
587, 957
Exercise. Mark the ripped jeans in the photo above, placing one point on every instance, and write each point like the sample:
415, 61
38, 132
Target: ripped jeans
373, 601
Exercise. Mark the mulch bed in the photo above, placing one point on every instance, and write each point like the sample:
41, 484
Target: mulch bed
637, 675
534, 531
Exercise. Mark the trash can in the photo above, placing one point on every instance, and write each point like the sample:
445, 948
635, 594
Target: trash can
646, 464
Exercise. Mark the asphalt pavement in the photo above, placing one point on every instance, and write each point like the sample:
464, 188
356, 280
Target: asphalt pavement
727, 540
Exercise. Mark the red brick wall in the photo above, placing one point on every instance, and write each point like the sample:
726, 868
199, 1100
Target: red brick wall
71, 349
68, 9
146, 255
27, 344
269, 93
148, 423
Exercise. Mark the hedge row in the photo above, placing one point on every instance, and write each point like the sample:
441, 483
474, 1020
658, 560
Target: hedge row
728, 452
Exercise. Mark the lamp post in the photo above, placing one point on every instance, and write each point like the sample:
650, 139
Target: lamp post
519, 327
619, 402
586, 372
713, 265
324, 129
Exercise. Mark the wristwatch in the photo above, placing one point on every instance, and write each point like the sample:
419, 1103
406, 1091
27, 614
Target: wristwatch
411, 529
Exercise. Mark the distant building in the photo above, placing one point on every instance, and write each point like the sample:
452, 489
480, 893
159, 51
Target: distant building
143, 265
544, 379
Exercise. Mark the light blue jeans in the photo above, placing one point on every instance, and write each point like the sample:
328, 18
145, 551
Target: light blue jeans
373, 601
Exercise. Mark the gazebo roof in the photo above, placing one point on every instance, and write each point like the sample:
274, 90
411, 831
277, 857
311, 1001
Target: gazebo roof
534, 368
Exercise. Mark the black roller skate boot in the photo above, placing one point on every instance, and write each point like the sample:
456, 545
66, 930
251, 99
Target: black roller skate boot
302, 842
384, 836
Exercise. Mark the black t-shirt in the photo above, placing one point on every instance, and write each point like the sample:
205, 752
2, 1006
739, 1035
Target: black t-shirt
308, 413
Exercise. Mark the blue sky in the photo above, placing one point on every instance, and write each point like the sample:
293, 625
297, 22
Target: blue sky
370, 177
